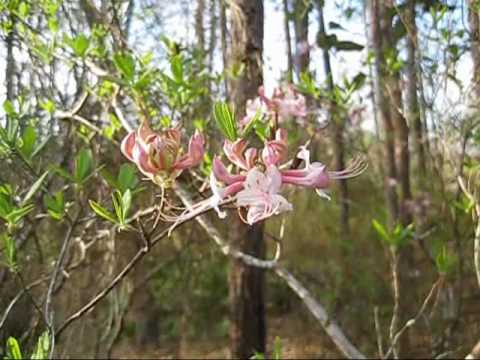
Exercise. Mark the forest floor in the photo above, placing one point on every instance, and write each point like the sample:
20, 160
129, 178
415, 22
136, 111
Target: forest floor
297, 337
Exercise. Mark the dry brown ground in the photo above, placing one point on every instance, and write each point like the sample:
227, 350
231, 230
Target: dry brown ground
299, 339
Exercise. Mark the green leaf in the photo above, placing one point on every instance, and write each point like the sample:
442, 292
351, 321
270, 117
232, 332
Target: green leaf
16, 215
40, 147
13, 349
34, 188
42, 348
23, 9
444, 261
109, 178
10, 250
9, 108
262, 130
277, 348
80, 45
334, 25
83, 165
55, 205
258, 356
117, 206
126, 203
127, 178
125, 63
348, 46
253, 123
176, 66
62, 172
53, 25
380, 229
6, 206
225, 120
101, 211
49, 106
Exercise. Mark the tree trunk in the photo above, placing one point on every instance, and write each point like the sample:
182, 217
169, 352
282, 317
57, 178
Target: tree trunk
288, 40
337, 123
223, 40
10, 67
412, 98
247, 312
302, 51
212, 42
397, 163
473, 20
246, 293
383, 108
199, 29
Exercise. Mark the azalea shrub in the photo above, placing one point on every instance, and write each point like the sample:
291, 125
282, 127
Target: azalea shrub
257, 175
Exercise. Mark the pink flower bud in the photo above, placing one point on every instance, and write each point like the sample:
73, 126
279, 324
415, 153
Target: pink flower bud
196, 149
221, 173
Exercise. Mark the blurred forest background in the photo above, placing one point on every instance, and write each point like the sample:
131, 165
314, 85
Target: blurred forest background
391, 263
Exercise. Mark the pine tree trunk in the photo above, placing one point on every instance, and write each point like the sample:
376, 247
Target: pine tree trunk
212, 42
302, 52
246, 288
223, 40
383, 108
199, 28
288, 40
473, 19
412, 98
338, 128
397, 164
10, 68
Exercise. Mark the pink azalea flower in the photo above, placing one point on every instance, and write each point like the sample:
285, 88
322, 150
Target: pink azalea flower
196, 149
316, 175
251, 109
275, 151
236, 153
285, 104
221, 173
260, 195
157, 155
290, 104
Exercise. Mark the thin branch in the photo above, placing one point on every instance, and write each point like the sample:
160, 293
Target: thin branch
396, 300
318, 311
120, 276
412, 322
475, 353
58, 268
476, 241
22, 292
378, 332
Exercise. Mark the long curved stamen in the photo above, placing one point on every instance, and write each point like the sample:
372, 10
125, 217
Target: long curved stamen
357, 167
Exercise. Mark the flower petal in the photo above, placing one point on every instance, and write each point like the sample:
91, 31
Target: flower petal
128, 143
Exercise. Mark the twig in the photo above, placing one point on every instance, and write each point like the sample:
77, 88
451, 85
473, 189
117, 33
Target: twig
117, 279
318, 311
476, 241
24, 290
475, 353
396, 306
378, 332
51, 287
412, 322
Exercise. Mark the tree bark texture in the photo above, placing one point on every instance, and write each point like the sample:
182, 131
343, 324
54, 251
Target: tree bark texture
246, 287
302, 51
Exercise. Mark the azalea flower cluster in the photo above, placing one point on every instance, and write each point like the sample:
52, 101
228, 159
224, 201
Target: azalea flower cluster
282, 105
158, 155
260, 173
